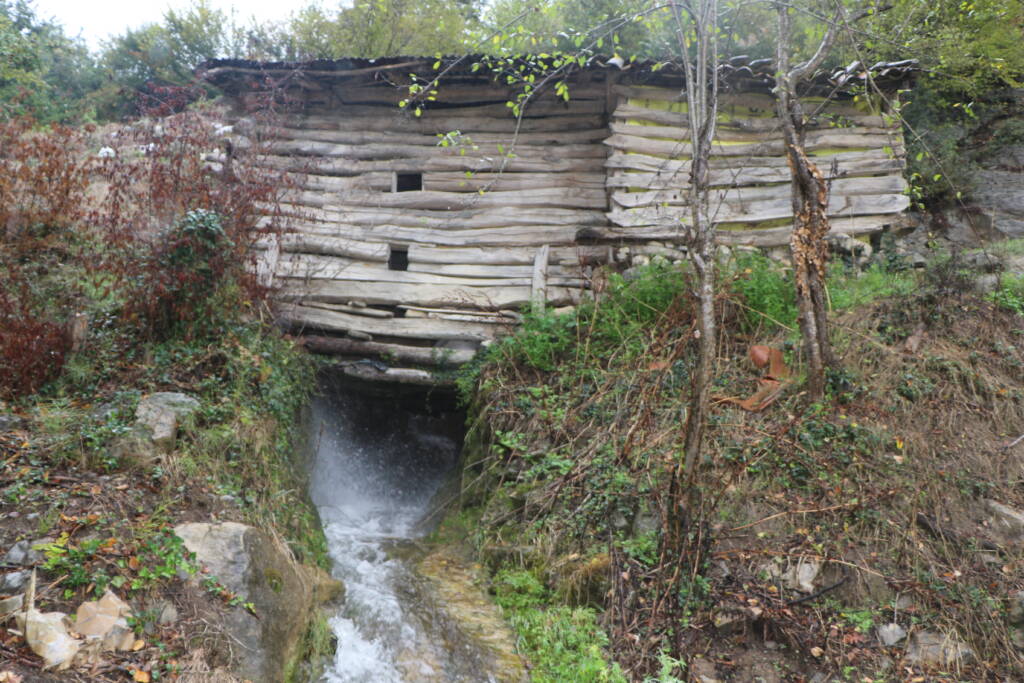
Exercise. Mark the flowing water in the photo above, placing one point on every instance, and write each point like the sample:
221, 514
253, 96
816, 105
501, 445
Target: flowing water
378, 464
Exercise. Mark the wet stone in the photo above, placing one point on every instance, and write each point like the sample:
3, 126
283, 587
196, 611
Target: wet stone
13, 582
22, 554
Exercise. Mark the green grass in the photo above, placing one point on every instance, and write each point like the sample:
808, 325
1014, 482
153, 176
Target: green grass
562, 643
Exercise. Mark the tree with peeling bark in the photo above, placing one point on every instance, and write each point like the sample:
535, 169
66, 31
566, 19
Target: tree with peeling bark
810, 190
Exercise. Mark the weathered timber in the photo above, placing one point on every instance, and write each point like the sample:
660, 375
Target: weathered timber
401, 353
868, 185
431, 296
379, 119
727, 135
474, 218
368, 372
762, 105
480, 92
353, 310
298, 242
576, 198
306, 317
815, 141
540, 281
626, 112
508, 139
390, 151
489, 271
508, 316
524, 161
419, 253
848, 163
759, 211
510, 236
498, 182
679, 178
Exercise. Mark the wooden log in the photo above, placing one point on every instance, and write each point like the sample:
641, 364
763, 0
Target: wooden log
392, 152
499, 182
401, 353
353, 310
764, 237
741, 177
625, 112
539, 284
467, 139
479, 92
346, 118
432, 296
523, 162
367, 372
849, 163
423, 254
298, 242
267, 262
815, 141
306, 317
317, 267
728, 135
475, 218
475, 270
509, 236
758, 104
555, 198
868, 185
760, 211
509, 316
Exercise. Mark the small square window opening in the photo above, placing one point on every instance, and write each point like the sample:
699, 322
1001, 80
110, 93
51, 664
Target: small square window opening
408, 182
398, 258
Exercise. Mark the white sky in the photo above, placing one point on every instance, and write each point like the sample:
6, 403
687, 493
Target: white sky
96, 20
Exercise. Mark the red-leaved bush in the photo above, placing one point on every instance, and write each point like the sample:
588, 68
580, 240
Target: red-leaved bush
162, 212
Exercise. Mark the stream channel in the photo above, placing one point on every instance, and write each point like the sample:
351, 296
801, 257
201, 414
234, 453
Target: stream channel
378, 463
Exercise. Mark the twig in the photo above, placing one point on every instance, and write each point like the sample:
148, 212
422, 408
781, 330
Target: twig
818, 594
794, 512
1013, 443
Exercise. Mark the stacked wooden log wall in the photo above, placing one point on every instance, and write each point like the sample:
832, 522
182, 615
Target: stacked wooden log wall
493, 228
648, 169
511, 212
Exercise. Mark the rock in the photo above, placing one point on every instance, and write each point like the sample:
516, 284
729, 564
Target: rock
158, 415
10, 422
168, 615
23, 554
47, 636
928, 648
1006, 520
1015, 613
890, 634
989, 282
801, 576
703, 671
9, 606
13, 582
260, 569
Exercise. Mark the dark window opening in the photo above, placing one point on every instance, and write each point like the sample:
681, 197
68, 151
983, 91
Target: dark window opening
398, 258
408, 182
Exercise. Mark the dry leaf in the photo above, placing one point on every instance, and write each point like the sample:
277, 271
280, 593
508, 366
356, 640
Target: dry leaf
133, 563
139, 644
9, 677
817, 651
759, 355
140, 676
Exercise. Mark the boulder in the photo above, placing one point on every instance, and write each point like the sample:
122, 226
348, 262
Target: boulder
158, 416
890, 634
260, 570
23, 554
1006, 521
10, 422
931, 649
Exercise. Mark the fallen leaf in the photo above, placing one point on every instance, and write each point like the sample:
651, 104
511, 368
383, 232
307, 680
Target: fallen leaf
9, 677
140, 676
760, 355
139, 644
133, 563
817, 652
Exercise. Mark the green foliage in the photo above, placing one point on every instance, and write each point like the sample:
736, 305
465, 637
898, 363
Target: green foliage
1010, 294
562, 643
767, 292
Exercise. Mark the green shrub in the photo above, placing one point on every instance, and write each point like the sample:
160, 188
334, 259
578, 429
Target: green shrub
767, 292
1010, 294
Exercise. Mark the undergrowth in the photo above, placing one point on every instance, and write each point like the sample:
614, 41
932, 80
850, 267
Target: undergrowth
578, 417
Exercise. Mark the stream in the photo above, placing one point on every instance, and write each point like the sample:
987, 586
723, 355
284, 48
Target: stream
378, 463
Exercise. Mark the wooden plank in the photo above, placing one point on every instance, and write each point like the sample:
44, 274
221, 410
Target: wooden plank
318, 267
760, 211
466, 140
765, 237
306, 317
298, 242
498, 182
508, 236
625, 111
509, 316
736, 104
267, 262
849, 163
476, 270
539, 284
442, 221
555, 198
869, 185
367, 372
382, 119
353, 310
815, 141
742, 177
478, 92
424, 254
392, 151
434, 296
733, 135
536, 162
401, 353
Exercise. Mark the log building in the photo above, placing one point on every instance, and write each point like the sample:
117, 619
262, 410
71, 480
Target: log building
422, 230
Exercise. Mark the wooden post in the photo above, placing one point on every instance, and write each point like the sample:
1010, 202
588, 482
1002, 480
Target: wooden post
539, 286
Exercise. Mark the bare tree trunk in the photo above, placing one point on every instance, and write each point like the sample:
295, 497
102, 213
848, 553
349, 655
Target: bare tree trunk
702, 100
808, 247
